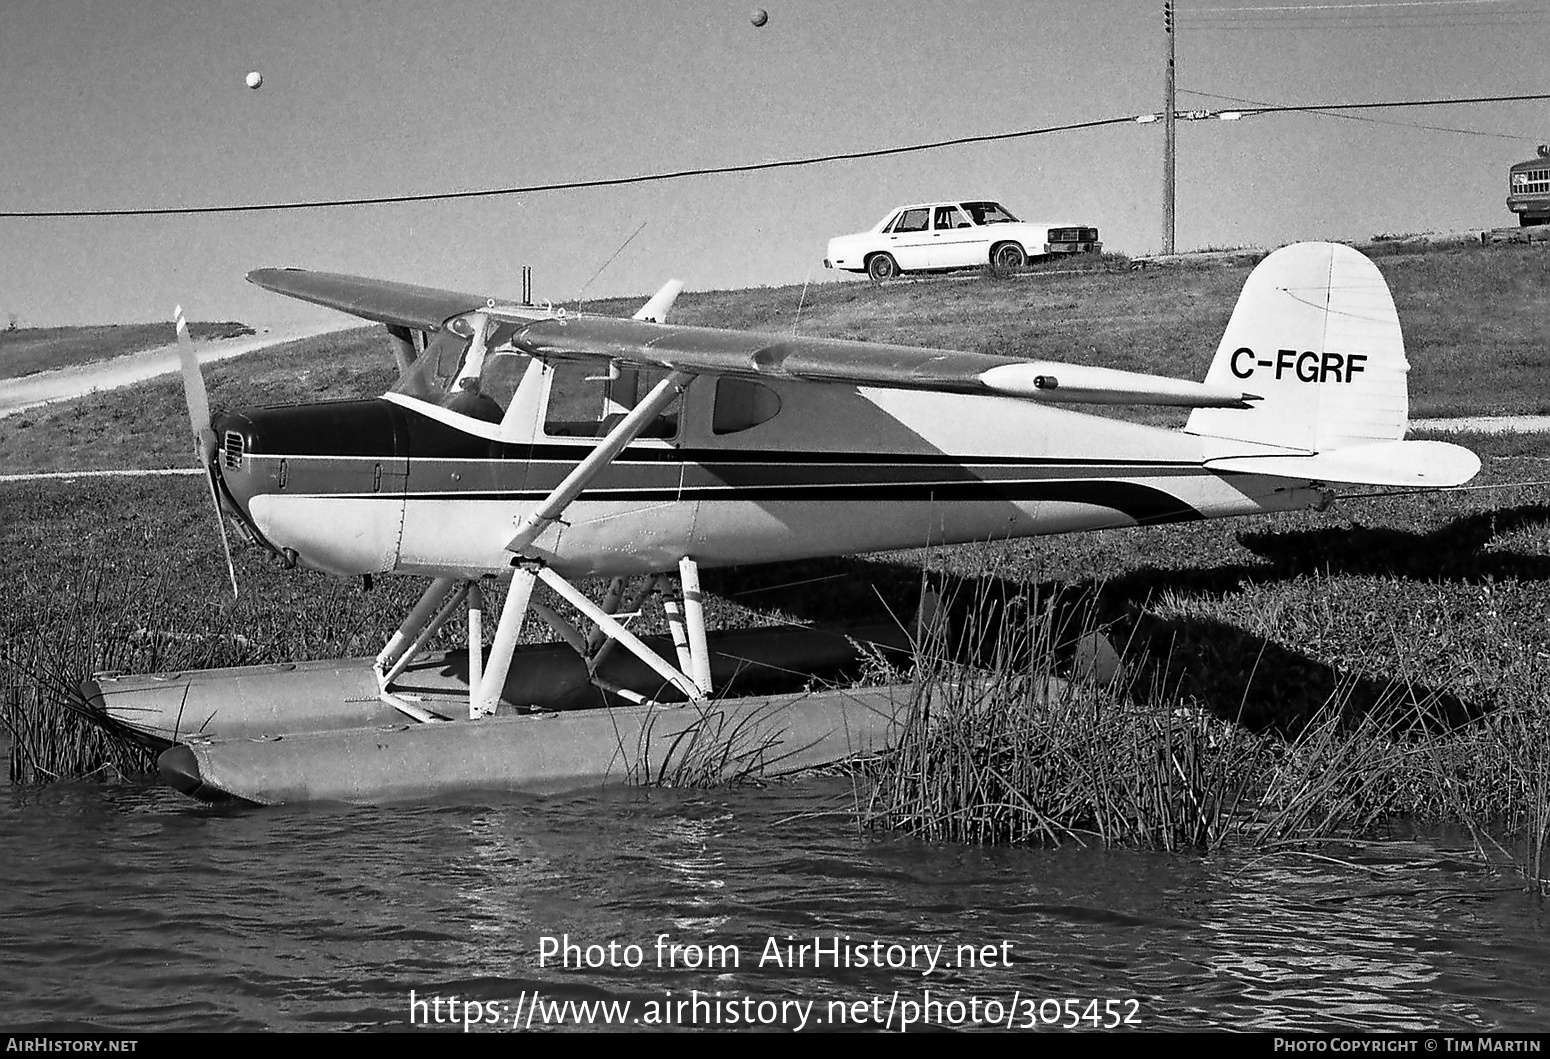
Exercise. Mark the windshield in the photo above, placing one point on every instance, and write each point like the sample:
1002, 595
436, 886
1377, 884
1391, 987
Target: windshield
474, 378
989, 213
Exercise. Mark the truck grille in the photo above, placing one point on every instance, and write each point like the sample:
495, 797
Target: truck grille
1530, 182
1073, 235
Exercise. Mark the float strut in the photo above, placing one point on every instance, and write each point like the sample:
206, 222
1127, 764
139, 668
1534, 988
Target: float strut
475, 643
663, 668
694, 619
443, 612
507, 631
396, 644
672, 606
610, 605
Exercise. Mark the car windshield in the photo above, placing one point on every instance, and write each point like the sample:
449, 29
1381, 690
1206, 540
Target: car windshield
989, 213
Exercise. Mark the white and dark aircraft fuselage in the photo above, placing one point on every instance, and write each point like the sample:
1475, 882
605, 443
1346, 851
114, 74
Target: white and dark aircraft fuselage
836, 470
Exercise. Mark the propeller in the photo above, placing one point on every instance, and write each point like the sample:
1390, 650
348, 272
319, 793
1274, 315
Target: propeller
204, 437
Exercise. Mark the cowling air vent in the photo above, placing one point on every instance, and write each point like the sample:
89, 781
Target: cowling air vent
231, 451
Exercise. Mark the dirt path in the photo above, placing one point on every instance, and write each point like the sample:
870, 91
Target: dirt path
30, 391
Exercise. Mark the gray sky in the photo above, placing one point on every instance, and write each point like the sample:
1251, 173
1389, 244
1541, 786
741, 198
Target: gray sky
129, 103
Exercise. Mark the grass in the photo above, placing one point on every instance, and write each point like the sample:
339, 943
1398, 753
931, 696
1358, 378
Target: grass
715, 749
28, 350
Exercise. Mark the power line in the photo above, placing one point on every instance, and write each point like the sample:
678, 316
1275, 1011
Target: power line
1358, 23
1407, 14
1376, 121
747, 167
1295, 108
1350, 7
568, 185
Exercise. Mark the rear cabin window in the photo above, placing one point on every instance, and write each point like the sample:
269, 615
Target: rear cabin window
741, 404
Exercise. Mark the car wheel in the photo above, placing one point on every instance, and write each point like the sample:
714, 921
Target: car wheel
1008, 256
881, 267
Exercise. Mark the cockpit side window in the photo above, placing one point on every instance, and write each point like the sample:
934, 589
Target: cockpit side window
587, 399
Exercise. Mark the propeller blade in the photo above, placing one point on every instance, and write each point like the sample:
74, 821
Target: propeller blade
198, 401
194, 390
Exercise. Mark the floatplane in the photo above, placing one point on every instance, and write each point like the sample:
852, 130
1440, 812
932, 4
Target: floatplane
532, 445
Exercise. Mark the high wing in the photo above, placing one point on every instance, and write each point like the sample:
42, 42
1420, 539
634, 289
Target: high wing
706, 350
381, 301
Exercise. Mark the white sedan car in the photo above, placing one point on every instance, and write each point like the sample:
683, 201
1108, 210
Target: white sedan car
943, 235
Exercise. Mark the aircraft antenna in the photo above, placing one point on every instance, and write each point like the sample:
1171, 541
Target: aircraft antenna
605, 264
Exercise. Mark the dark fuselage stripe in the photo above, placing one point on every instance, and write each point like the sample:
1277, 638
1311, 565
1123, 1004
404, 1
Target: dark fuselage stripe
1141, 503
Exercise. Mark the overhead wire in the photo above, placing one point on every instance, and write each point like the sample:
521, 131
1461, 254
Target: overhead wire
744, 167
570, 185
1409, 14
1368, 118
1291, 108
1357, 23
1353, 6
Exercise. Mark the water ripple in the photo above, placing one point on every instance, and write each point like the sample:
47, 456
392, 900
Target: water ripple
129, 907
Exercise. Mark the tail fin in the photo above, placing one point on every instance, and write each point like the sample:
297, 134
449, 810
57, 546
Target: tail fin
655, 311
1316, 336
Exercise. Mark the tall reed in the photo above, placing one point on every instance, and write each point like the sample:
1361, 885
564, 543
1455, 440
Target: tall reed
42, 665
1000, 746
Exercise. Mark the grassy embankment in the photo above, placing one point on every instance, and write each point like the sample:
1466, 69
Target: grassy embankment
1290, 676
28, 350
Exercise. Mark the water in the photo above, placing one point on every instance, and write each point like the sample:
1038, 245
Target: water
132, 908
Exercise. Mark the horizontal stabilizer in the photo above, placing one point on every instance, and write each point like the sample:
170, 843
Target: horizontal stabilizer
1080, 384
1431, 464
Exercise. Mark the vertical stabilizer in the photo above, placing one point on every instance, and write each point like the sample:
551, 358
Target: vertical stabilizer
655, 311
1316, 337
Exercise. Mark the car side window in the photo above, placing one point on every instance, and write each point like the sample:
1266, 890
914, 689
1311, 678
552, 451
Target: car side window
950, 217
913, 220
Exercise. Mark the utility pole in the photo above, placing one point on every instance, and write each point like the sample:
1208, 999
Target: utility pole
1168, 132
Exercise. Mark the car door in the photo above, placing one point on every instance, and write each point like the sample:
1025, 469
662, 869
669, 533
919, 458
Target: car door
909, 239
955, 241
